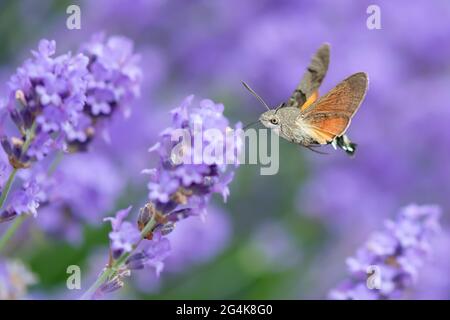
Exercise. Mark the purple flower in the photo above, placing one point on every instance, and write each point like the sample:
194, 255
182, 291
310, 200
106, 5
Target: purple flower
180, 190
42, 145
190, 175
115, 76
125, 238
151, 255
49, 92
113, 82
161, 189
27, 199
112, 284
65, 95
183, 182
124, 234
388, 264
14, 279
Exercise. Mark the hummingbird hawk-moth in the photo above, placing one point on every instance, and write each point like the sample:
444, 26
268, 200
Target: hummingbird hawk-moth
310, 121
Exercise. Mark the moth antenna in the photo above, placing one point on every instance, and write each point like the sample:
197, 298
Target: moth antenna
255, 94
281, 105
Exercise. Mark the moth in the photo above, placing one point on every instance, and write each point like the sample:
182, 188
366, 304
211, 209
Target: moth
311, 121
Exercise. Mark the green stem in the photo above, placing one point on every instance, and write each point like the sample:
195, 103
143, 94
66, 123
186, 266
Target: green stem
11, 230
106, 274
55, 163
7, 187
28, 138
109, 272
19, 220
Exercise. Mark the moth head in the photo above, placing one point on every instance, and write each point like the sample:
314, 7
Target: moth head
270, 119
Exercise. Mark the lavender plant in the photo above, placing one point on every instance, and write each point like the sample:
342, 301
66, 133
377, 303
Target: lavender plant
55, 104
112, 83
177, 191
387, 265
46, 99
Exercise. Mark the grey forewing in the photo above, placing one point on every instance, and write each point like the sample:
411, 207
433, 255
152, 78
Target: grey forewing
313, 77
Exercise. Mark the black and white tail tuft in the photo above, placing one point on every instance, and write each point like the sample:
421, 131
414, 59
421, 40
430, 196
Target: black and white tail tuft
345, 144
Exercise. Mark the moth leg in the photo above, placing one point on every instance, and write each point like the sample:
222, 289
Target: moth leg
311, 148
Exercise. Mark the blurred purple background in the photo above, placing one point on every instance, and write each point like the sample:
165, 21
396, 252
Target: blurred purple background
321, 207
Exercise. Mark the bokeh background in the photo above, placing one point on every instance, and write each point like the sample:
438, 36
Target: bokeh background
282, 236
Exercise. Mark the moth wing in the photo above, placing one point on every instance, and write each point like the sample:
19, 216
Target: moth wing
330, 116
325, 130
307, 91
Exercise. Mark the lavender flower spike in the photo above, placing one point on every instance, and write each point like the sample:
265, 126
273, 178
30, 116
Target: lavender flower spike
125, 239
113, 83
177, 190
46, 102
187, 183
388, 264
56, 103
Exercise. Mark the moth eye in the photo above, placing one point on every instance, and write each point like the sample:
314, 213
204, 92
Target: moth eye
274, 121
